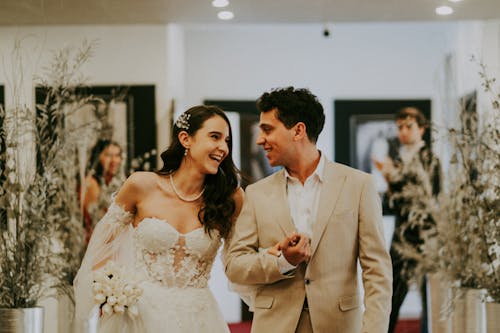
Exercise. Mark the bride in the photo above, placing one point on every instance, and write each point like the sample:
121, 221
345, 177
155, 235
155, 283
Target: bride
149, 259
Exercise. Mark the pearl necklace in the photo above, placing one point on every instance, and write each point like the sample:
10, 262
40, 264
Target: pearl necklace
180, 196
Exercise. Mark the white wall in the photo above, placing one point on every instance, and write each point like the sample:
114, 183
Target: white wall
459, 75
360, 61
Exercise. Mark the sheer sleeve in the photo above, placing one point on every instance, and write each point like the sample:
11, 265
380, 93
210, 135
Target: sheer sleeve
111, 240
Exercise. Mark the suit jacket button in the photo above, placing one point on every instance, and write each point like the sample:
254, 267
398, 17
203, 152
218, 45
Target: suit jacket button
307, 281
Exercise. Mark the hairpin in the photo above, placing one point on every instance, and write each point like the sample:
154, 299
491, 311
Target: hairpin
183, 121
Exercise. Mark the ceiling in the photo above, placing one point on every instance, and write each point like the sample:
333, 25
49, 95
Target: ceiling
41, 12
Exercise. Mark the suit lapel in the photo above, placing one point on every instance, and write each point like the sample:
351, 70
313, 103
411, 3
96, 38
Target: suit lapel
278, 201
330, 192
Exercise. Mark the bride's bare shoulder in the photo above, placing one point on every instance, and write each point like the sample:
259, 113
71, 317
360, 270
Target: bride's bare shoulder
142, 181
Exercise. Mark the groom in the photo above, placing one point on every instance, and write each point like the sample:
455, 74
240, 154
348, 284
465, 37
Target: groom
322, 217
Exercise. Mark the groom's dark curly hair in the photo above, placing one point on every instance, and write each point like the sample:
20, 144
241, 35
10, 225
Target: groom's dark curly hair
293, 106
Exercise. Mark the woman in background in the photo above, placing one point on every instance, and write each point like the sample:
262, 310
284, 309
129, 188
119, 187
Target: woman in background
104, 178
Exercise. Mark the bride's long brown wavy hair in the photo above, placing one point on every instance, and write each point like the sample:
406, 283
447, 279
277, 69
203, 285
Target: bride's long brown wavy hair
219, 206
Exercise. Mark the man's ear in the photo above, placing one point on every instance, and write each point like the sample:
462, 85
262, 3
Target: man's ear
184, 139
299, 131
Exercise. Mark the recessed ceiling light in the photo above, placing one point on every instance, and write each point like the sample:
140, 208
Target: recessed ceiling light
225, 15
454, 0
444, 10
220, 3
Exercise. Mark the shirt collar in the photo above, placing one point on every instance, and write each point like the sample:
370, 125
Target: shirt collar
318, 172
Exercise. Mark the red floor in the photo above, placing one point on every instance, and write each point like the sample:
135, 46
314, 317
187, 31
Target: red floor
243, 327
408, 326
404, 326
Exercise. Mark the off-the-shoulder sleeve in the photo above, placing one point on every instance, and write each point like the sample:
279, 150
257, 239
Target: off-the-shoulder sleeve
111, 240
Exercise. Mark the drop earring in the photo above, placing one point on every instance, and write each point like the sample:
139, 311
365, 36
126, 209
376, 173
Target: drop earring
186, 151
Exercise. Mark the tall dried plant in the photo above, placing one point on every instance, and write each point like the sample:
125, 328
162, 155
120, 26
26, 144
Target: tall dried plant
41, 229
463, 246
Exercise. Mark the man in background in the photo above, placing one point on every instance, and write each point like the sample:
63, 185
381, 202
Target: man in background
402, 170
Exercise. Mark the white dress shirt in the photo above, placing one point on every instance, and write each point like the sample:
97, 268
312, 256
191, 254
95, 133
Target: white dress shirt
303, 200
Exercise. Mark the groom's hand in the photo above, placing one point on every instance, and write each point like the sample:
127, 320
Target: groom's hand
296, 248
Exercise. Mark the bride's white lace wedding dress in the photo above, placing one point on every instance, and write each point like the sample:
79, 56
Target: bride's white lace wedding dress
172, 269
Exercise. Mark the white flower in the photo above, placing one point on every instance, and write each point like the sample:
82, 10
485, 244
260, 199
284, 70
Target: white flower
107, 309
122, 300
97, 287
115, 290
128, 290
119, 309
99, 298
107, 290
111, 300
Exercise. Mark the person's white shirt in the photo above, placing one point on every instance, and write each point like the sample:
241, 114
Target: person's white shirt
303, 200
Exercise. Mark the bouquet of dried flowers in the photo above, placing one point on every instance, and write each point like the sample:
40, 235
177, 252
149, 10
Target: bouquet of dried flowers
464, 244
41, 230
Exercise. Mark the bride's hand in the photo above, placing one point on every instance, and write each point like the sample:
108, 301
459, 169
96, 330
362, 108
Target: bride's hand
275, 250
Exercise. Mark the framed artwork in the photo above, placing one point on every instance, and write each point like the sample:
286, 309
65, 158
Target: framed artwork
365, 129
127, 116
2, 104
468, 113
2, 96
254, 164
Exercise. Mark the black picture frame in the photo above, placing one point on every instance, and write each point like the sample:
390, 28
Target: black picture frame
362, 126
140, 118
2, 144
468, 113
254, 164
2, 96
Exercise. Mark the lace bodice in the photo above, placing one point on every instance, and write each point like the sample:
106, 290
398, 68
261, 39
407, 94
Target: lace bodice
174, 259
172, 269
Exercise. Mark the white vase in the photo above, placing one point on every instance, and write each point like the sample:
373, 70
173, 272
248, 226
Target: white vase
65, 310
22, 320
458, 316
492, 317
437, 296
475, 311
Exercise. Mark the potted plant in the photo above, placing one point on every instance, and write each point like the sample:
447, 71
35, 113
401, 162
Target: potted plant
41, 232
463, 246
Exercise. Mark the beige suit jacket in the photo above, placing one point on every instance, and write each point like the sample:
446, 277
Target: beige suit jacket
348, 227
